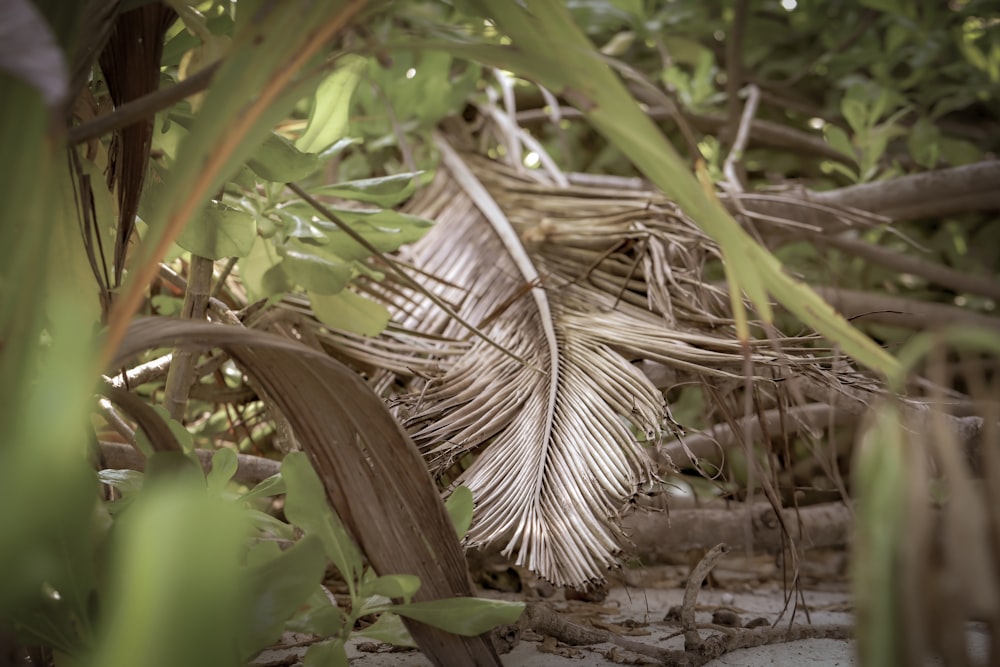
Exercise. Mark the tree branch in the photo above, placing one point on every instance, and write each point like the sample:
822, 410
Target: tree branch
657, 537
971, 187
710, 445
933, 272
762, 132
900, 311
250, 470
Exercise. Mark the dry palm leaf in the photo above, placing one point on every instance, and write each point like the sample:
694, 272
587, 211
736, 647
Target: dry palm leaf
370, 470
560, 425
574, 283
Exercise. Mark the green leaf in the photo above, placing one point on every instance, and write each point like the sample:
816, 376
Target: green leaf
350, 312
959, 151
326, 654
306, 506
388, 628
329, 113
922, 141
837, 138
224, 464
278, 160
181, 434
300, 221
855, 111
396, 585
320, 616
386, 230
878, 475
272, 486
460, 507
269, 525
322, 274
219, 231
462, 616
386, 191
176, 595
278, 588
888, 6
258, 272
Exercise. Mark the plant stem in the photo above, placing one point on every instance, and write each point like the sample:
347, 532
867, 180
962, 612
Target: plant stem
181, 372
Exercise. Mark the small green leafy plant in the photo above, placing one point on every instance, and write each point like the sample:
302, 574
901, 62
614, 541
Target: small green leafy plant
259, 590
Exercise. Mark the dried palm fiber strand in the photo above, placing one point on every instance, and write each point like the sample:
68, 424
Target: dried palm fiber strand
574, 283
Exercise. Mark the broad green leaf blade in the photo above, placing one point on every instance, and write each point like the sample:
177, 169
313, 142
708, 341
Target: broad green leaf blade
278, 160
460, 507
224, 464
329, 113
326, 654
396, 585
350, 312
278, 588
261, 271
306, 507
45, 453
272, 486
357, 445
317, 271
320, 617
878, 478
388, 628
463, 616
385, 191
176, 597
220, 231
386, 230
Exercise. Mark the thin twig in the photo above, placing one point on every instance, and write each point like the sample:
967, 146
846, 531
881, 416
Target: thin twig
379, 256
116, 421
742, 136
143, 107
141, 374
960, 281
223, 276
763, 132
692, 640
181, 373
734, 73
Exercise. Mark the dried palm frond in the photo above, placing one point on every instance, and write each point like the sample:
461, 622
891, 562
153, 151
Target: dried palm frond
574, 284
570, 285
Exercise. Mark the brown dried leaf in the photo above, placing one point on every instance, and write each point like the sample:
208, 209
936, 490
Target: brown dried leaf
372, 472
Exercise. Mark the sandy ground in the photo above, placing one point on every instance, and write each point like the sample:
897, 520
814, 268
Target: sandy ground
640, 611
628, 606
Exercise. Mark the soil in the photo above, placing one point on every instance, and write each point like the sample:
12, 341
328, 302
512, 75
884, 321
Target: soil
740, 591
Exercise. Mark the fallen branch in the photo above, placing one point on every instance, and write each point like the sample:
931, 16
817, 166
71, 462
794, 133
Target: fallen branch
250, 470
933, 272
710, 445
900, 311
692, 640
545, 621
971, 187
659, 536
